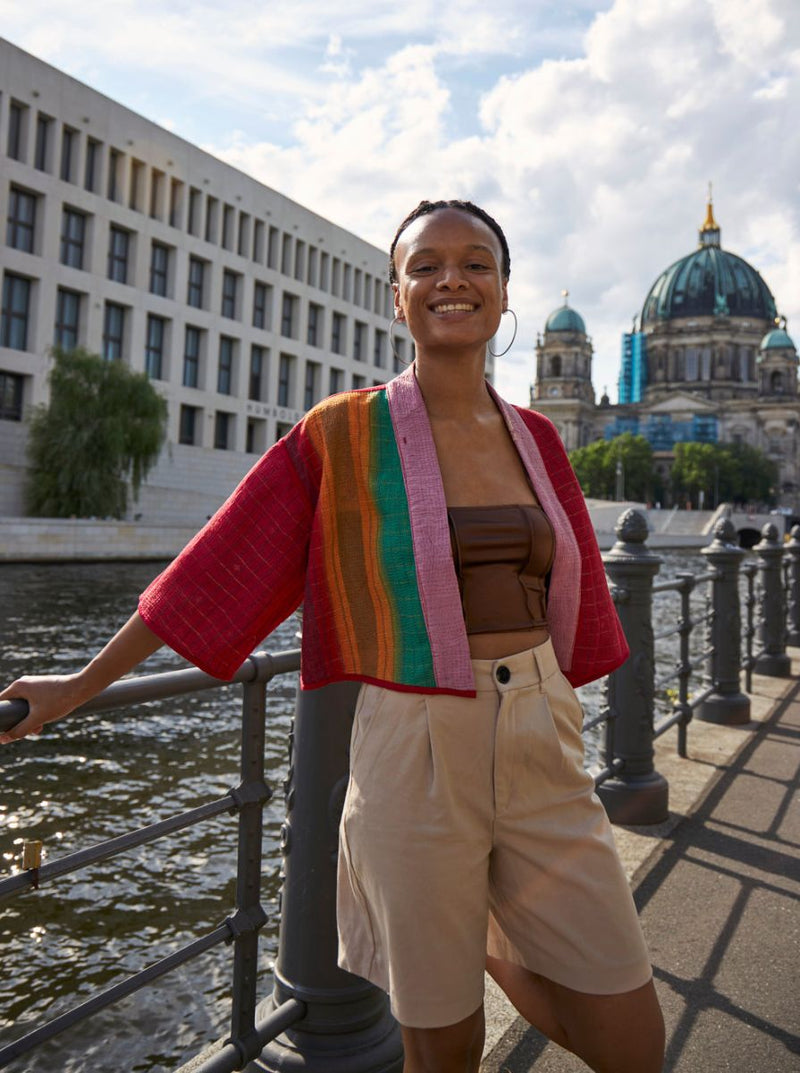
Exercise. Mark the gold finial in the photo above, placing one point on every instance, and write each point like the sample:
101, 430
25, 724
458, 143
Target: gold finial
565, 295
710, 224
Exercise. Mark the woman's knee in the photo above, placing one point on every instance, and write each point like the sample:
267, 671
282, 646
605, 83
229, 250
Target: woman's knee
453, 1048
615, 1033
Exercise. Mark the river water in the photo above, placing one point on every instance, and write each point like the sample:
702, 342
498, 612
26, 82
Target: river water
94, 777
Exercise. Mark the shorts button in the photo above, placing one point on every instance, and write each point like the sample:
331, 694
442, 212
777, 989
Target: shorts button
503, 674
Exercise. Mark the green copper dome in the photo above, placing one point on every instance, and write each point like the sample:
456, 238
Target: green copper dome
708, 282
565, 319
776, 339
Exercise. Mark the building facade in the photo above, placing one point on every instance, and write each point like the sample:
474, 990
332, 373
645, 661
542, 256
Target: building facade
244, 308
709, 360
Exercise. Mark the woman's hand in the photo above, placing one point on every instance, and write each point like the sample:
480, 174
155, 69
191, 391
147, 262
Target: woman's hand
49, 698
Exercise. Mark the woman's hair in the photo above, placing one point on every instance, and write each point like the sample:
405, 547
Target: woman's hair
426, 207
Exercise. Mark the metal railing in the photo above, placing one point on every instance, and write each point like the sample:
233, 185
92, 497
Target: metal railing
320, 1018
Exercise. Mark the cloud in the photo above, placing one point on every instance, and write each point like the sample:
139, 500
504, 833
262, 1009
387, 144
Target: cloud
589, 129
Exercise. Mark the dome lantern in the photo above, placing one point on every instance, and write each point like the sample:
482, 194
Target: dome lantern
709, 232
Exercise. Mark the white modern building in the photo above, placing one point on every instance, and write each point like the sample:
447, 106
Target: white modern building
243, 307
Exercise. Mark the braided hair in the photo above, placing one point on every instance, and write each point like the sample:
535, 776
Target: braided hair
426, 207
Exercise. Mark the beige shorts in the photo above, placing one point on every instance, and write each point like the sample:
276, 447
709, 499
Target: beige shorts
470, 826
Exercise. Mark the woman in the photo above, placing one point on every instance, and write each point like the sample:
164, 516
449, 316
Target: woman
445, 558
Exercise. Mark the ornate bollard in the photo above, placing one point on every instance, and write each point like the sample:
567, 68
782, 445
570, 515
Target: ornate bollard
792, 550
771, 631
638, 794
727, 704
347, 1027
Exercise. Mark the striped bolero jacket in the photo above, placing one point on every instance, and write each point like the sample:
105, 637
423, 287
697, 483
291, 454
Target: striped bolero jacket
347, 515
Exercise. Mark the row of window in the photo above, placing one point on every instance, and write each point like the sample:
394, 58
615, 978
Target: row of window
20, 231
145, 188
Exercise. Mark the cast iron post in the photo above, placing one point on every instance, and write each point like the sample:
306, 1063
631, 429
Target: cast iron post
793, 595
771, 629
347, 1027
727, 704
638, 794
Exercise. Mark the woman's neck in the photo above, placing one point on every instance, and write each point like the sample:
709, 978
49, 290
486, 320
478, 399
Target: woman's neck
453, 389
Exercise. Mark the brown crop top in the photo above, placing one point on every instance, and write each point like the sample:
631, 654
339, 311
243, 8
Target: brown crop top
502, 557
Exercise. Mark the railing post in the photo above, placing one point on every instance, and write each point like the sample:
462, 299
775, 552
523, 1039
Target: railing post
793, 595
771, 630
638, 794
347, 1027
727, 704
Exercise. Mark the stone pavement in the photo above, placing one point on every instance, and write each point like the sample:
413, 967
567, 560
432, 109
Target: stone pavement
718, 890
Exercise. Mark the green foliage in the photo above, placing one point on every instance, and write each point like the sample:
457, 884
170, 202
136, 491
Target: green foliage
103, 427
596, 467
733, 472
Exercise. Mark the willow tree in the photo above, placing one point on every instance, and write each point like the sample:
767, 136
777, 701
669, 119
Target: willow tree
101, 431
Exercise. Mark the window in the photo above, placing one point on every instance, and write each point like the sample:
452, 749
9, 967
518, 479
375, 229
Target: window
359, 336
69, 144
379, 353
159, 269
242, 240
21, 226
136, 186
225, 368
223, 424
42, 151
113, 331
10, 397
348, 277
258, 241
286, 255
312, 382
118, 250
299, 260
272, 248
311, 276
195, 209
16, 130
90, 167
73, 237
191, 359
68, 317
359, 382
262, 306
314, 324
228, 213
336, 381
212, 215
175, 203
258, 364
157, 183
187, 429
288, 315
114, 166
15, 312
154, 347
256, 435
324, 261
197, 272
230, 288
285, 370
337, 333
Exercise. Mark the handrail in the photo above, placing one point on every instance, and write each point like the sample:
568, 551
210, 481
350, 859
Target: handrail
247, 799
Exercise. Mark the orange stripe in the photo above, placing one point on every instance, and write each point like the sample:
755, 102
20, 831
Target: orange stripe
361, 443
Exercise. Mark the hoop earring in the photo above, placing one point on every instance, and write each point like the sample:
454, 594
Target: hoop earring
392, 344
513, 337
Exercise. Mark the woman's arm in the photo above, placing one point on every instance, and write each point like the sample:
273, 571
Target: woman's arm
51, 697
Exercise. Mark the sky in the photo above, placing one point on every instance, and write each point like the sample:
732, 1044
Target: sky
590, 130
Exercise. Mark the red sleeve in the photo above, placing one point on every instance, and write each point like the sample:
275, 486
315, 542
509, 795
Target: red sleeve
244, 572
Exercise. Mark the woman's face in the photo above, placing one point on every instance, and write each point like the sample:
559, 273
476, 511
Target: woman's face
450, 290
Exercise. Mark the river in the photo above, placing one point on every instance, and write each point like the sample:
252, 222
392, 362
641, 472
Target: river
91, 778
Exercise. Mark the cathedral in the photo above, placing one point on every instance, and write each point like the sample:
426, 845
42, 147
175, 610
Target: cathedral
709, 360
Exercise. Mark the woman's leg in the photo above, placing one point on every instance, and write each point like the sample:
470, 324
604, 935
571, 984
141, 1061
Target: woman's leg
453, 1049
621, 1033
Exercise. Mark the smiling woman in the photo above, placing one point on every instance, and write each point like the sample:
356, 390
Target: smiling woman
446, 560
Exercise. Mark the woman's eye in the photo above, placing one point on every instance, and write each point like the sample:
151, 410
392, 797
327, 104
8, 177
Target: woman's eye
421, 269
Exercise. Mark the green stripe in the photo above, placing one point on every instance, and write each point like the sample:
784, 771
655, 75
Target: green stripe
413, 660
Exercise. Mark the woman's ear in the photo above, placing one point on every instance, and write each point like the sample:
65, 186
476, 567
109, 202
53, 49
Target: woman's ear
398, 309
